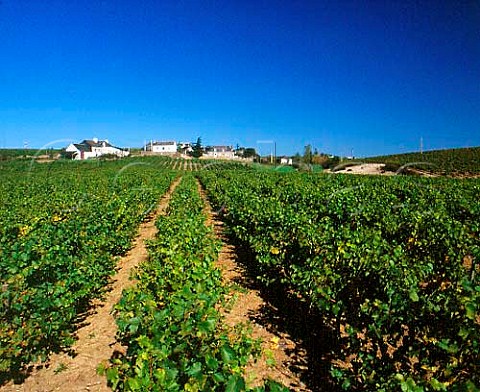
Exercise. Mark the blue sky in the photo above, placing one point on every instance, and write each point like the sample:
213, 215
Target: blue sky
372, 76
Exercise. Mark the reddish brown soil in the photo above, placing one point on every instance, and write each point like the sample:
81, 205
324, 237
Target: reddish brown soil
96, 337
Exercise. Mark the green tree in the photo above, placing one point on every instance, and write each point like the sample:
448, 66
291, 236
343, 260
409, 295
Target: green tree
250, 152
307, 154
197, 148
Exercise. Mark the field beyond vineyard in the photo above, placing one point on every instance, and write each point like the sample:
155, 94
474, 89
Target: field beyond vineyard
375, 277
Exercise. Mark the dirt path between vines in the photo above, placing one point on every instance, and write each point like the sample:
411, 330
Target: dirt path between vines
281, 355
96, 337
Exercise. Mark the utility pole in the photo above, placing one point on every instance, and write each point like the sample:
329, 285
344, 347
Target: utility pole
421, 145
275, 152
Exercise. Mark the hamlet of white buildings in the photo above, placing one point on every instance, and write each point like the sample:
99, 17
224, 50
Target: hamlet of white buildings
172, 147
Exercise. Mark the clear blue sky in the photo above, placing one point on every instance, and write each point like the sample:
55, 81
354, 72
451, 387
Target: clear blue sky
372, 76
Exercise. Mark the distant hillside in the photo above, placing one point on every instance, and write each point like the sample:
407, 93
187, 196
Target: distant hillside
19, 153
458, 161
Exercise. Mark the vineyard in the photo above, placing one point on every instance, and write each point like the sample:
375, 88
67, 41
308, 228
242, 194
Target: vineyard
387, 266
384, 268
62, 227
170, 321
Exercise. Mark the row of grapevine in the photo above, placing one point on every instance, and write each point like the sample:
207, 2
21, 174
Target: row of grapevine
62, 225
389, 264
171, 321
187, 164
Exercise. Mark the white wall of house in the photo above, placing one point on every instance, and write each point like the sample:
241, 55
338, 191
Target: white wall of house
220, 153
162, 147
77, 154
165, 149
98, 151
71, 148
286, 161
119, 152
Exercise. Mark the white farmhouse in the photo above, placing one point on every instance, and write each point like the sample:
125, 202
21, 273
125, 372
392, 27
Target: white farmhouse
220, 152
185, 147
94, 148
162, 147
286, 161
